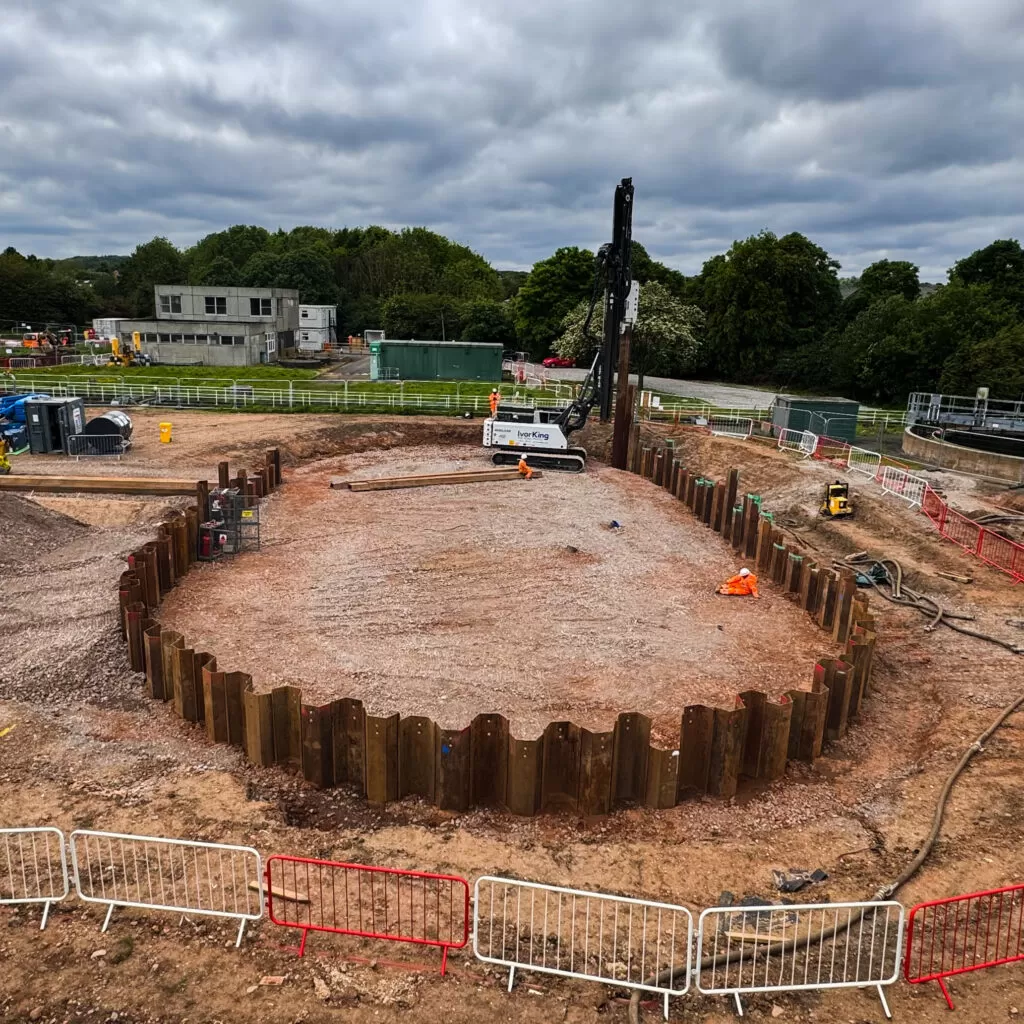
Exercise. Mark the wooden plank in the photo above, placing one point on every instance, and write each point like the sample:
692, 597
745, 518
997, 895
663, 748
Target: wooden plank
417, 745
696, 735
318, 745
350, 743
97, 485
287, 703
525, 768
726, 751
560, 782
597, 750
259, 727
432, 480
629, 757
489, 761
453, 764
381, 759
280, 893
662, 778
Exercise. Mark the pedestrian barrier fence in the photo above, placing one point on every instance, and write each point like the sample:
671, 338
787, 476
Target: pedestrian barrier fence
860, 460
21, 363
168, 874
369, 902
798, 441
803, 946
964, 933
33, 867
831, 450
731, 426
86, 445
904, 485
992, 548
624, 942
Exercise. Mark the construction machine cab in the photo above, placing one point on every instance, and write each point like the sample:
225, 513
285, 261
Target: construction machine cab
837, 501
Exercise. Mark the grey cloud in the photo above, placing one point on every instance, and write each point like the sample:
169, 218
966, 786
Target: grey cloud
875, 127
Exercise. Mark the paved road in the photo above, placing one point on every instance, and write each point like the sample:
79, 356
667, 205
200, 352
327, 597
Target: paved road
715, 394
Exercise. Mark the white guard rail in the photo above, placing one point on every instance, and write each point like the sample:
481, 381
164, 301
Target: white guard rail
860, 460
168, 874
904, 485
802, 441
731, 426
808, 946
615, 940
33, 867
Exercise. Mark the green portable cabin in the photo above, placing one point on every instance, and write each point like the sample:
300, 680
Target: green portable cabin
434, 360
831, 417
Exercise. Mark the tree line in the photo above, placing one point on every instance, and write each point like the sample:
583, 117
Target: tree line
771, 310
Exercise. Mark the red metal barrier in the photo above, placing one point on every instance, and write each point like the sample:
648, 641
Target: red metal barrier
964, 933
829, 449
369, 902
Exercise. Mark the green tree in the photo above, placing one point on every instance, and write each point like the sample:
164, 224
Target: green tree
890, 277
261, 270
155, 262
487, 321
764, 298
1000, 266
665, 338
236, 246
554, 287
220, 272
422, 317
996, 362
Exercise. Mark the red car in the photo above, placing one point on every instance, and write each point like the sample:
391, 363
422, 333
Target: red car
560, 361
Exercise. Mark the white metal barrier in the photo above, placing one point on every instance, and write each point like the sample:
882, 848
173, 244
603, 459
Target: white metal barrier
168, 874
802, 441
804, 946
85, 445
589, 935
860, 460
904, 485
33, 867
21, 362
731, 426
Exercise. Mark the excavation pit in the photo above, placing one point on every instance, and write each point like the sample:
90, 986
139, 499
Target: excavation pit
513, 597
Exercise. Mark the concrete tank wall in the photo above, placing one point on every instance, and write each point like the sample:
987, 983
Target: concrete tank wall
967, 460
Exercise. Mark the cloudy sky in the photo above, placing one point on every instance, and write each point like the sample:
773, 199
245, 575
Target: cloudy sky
880, 128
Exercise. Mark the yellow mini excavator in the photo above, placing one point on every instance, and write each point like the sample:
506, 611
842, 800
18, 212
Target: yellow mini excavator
837, 501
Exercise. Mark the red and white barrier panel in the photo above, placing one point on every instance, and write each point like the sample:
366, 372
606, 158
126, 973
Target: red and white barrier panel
370, 902
964, 933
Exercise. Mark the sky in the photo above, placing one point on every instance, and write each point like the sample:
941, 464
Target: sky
880, 129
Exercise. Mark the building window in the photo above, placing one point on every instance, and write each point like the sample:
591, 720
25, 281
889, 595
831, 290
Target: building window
190, 339
201, 339
305, 313
261, 307
170, 303
239, 339
216, 305
226, 339
178, 339
149, 337
165, 338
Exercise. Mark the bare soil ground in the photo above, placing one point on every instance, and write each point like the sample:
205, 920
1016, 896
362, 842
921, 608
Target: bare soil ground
88, 750
513, 597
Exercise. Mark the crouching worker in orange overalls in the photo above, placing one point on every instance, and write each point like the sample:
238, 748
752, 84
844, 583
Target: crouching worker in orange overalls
524, 469
743, 584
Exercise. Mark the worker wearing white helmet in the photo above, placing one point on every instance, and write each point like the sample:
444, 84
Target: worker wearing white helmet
495, 399
524, 468
743, 584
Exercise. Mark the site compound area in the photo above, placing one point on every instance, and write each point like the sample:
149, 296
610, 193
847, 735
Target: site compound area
457, 608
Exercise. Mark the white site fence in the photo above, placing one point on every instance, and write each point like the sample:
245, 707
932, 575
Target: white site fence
860, 460
88, 445
731, 426
168, 874
808, 946
615, 940
33, 867
21, 363
802, 441
904, 485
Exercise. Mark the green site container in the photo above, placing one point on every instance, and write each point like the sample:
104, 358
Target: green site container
436, 360
831, 417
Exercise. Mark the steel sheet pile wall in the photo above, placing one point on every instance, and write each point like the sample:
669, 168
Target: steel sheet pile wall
567, 768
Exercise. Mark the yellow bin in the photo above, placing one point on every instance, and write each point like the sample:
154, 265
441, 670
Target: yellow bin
165, 433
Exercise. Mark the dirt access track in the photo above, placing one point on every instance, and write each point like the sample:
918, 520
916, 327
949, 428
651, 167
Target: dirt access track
87, 749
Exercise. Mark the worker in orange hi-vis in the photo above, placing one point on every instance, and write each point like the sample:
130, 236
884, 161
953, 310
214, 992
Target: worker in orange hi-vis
495, 399
743, 584
524, 469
